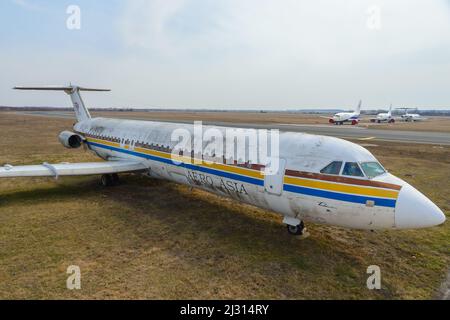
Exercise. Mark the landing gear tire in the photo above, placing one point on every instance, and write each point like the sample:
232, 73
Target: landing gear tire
115, 179
107, 180
296, 230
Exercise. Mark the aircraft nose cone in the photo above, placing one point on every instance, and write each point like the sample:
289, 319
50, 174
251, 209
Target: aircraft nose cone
414, 210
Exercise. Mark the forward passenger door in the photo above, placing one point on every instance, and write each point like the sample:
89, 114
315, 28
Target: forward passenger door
274, 181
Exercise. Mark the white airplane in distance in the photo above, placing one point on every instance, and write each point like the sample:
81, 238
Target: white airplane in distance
384, 117
343, 117
411, 117
320, 179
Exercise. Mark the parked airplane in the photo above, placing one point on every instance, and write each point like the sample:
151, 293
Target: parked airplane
384, 117
320, 179
343, 117
411, 117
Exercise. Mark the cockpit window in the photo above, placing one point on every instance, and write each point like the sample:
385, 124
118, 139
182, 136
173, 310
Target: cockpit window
332, 168
372, 169
352, 169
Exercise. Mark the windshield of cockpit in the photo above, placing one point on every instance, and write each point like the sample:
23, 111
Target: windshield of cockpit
372, 169
354, 169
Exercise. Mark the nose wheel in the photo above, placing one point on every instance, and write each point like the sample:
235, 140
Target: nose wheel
297, 230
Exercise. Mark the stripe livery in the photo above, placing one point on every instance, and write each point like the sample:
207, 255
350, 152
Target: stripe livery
310, 184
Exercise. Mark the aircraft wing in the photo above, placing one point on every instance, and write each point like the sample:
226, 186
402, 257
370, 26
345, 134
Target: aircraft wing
71, 169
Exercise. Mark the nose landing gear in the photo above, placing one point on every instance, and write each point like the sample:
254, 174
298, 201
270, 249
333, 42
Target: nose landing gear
295, 226
297, 230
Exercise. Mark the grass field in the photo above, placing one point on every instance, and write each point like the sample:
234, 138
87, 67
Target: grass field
149, 239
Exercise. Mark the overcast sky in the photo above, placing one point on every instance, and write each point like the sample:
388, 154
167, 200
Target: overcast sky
277, 54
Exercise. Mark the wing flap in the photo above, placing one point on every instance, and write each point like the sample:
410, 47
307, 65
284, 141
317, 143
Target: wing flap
71, 169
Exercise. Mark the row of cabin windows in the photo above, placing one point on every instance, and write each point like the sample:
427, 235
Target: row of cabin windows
156, 147
162, 148
353, 169
372, 169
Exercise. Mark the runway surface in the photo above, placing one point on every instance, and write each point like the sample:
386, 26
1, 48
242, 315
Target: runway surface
345, 131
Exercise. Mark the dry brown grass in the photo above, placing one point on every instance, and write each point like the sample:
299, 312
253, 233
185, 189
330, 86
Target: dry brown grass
154, 239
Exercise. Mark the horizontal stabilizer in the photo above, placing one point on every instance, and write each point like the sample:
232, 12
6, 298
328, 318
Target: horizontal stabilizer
71, 169
81, 111
61, 88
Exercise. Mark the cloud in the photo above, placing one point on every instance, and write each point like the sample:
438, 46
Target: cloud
26, 5
253, 53
145, 23
319, 32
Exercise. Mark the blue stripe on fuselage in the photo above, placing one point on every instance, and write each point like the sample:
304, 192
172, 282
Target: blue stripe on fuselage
289, 188
340, 196
228, 175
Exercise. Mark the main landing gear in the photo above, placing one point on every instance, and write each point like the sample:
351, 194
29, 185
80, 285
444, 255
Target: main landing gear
336, 123
109, 180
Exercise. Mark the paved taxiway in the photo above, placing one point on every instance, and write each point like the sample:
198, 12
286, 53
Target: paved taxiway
345, 131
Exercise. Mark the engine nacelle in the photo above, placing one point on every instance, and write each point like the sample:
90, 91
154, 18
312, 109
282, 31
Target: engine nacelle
70, 140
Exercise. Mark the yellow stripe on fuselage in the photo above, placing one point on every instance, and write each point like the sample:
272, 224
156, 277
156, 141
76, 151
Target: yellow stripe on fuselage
217, 166
345, 188
308, 183
104, 142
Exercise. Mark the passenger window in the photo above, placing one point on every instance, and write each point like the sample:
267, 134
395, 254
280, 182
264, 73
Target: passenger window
332, 168
352, 169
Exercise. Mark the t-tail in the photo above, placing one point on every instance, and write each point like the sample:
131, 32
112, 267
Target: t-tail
81, 111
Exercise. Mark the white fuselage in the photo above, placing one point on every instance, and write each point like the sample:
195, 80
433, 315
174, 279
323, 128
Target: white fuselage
412, 117
381, 117
298, 191
345, 117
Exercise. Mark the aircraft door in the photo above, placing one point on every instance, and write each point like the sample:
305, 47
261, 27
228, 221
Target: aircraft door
274, 179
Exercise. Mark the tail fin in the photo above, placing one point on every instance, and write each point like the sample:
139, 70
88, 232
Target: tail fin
81, 112
358, 110
390, 111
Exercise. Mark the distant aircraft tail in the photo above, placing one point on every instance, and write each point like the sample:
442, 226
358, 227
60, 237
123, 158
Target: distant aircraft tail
390, 111
358, 110
81, 111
